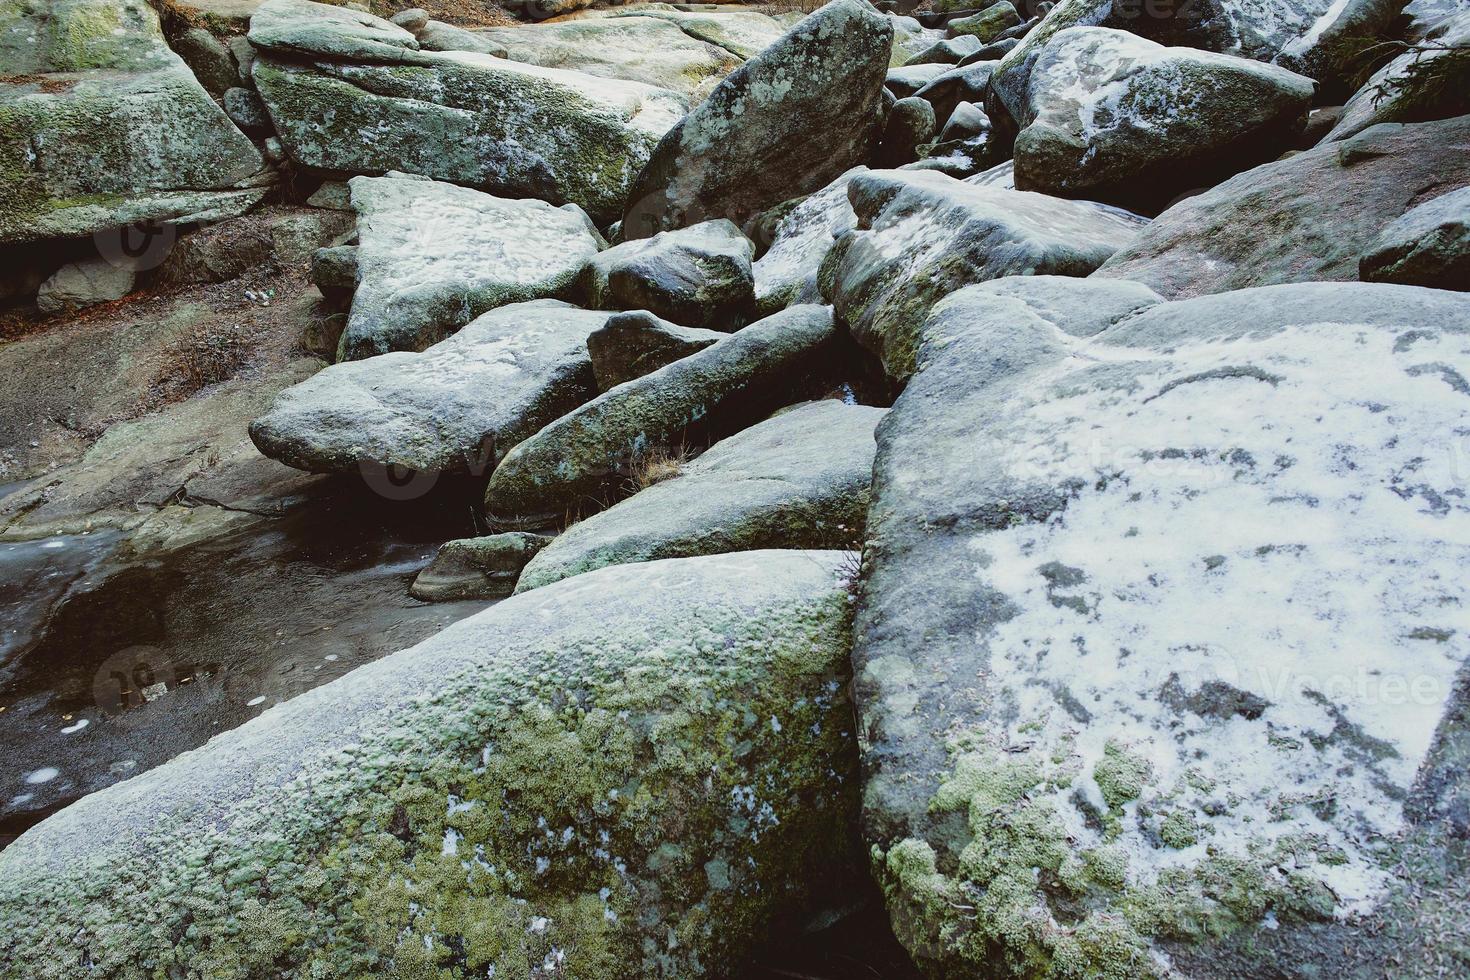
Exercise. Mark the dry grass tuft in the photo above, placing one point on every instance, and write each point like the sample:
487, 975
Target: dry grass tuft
208, 354
656, 466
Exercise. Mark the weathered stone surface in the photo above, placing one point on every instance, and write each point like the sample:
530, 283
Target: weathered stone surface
505, 126
949, 51
246, 111
743, 33
1328, 50
905, 81
799, 479
443, 810
477, 568
987, 24
455, 408
1423, 83
1120, 119
910, 123
698, 276
334, 270
439, 36
921, 235
302, 29
1428, 246
77, 285
282, 237
1427, 15
909, 38
630, 345
587, 458
1292, 221
1117, 594
966, 84
785, 123
102, 125
787, 274
207, 58
433, 256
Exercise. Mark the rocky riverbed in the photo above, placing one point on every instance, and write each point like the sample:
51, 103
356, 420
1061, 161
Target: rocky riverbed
571, 490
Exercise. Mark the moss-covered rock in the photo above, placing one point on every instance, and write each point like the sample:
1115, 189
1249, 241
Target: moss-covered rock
698, 276
633, 344
635, 773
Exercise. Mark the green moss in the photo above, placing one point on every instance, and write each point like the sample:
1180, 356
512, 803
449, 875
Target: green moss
1179, 829
1120, 775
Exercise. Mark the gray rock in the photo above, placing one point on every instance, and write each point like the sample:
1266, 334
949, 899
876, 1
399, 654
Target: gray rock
589, 456
1427, 246
922, 235
950, 51
967, 84
444, 804
1424, 83
698, 276
1290, 221
799, 479
1425, 16
439, 36
103, 126
1120, 119
433, 256
207, 58
333, 194
787, 274
88, 282
1329, 49
743, 33
477, 568
247, 111
334, 270
753, 143
483, 122
1084, 562
994, 51
631, 345
910, 123
905, 81
274, 239
456, 408
413, 20
243, 53
988, 24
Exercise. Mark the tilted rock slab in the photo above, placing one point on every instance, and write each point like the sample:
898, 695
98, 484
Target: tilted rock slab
1428, 246
433, 256
1157, 632
630, 345
742, 32
787, 273
698, 276
921, 235
785, 123
1120, 119
799, 480
636, 773
102, 126
456, 408
1390, 95
579, 462
1309, 217
485, 122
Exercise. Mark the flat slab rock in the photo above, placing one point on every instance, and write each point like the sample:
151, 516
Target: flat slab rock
587, 459
799, 479
433, 256
455, 408
492, 799
102, 125
1291, 221
921, 235
698, 276
1157, 656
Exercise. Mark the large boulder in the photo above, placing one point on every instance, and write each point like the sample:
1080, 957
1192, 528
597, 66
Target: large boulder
1428, 246
1293, 220
1117, 118
1330, 49
1153, 652
785, 123
787, 273
591, 456
477, 568
921, 235
646, 784
102, 126
455, 408
1429, 80
698, 276
797, 480
630, 345
433, 256
743, 33
367, 106
84, 283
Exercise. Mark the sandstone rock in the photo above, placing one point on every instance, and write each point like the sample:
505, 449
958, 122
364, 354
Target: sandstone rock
433, 256
587, 457
1427, 246
698, 276
88, 282
1120, 119
484, 122
922, 235
1424, 83
444, 809
799, 479
785, 123
631, 345
455, 408
787, 274
1291, 221
102, 126
988, 24
477, 568
1089, 568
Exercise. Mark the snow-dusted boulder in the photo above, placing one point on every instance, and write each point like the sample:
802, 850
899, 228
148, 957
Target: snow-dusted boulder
1117, 118
787, 273
645, 771
1158, 654
1428, 81
433, 256
1428, 246
630, 345
456, 408
698, 276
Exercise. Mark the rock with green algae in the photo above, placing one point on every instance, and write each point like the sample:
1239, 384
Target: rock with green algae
102, 126
636, 343
472, 119
639, 772
698, 276
590, 457
1134, 702
798, 480
477, 568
